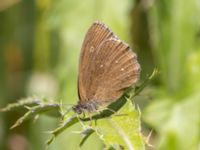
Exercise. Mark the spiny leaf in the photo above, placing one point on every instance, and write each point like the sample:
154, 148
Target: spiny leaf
21, 103
145, 82
86, 134
49, 141
33, 111
122, 131
64, 125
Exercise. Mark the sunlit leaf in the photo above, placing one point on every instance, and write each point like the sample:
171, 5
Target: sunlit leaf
122, 129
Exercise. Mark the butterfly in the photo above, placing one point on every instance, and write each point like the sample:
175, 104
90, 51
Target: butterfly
107, 67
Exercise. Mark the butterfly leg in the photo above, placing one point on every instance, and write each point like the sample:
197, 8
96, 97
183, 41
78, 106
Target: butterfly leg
89, 115
83, 114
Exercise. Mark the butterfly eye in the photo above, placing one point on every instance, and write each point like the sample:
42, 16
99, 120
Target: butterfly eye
77, 109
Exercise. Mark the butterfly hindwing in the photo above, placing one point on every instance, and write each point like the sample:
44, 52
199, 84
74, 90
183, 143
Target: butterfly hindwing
115, 68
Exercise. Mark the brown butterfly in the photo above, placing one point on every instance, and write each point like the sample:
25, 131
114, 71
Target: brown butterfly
107, 67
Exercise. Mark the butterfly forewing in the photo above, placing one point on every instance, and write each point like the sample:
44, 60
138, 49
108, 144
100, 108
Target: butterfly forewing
96, 34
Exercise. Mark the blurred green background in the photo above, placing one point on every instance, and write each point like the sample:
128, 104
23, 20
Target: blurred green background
40, 42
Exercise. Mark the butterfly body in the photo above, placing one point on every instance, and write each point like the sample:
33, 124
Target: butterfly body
90, 106
107, 67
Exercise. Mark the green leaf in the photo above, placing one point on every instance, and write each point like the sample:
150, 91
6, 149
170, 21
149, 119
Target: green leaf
21, 103
66, 123
36, 110
86, 134
122, 129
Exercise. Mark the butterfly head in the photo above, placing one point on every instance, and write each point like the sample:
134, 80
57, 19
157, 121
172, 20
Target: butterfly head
78, 109
90, 106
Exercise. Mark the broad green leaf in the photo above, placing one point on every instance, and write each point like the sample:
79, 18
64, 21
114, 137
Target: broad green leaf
122, 129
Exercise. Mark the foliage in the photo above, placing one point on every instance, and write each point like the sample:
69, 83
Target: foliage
40, 43
175, 112
118, 126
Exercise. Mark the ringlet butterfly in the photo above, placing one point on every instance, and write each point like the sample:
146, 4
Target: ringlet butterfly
107, 67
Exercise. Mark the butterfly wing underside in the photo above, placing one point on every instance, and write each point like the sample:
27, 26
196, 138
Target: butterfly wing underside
94, 37
107, 66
